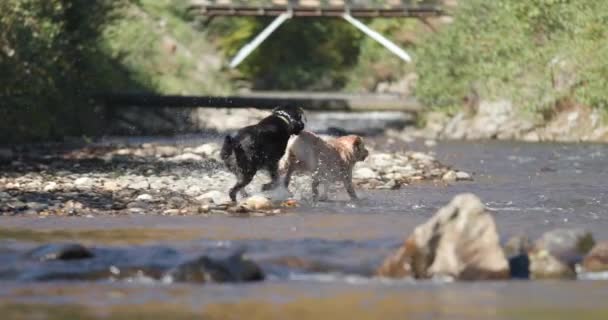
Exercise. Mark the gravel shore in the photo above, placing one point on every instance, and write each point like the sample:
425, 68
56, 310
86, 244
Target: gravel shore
168, 179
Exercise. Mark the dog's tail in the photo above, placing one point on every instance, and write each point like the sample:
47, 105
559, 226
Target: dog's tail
227, 148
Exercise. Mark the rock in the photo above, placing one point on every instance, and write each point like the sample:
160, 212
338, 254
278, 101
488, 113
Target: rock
215, 196
207, 149
365, 174
171, 212
459, 241
186, 157
83, 182
463, 176
257, 202
139, 185
557, 252
17, 204
37, 206
50, 187
111, 185
597, 259
422, 157
430, 143
449, 176
193, 190
60, 251
165, 151
205, 269
144, 197
457, 127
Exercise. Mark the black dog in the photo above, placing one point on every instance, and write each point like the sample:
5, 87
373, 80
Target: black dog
261, 146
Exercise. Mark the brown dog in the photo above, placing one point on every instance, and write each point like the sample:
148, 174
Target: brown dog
329, 161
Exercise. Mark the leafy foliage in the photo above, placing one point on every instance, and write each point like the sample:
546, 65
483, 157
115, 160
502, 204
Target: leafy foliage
535, 52
50, 62
55, 53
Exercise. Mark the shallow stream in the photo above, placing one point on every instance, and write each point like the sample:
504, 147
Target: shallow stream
318, 259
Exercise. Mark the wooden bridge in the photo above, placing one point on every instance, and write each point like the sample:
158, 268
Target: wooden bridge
320, 8
283, 10
349, 10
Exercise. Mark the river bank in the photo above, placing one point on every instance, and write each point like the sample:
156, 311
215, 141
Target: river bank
500, 120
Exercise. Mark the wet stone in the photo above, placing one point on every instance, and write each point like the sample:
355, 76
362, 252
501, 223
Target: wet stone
555, 253
206, 269
60, 251
460, 241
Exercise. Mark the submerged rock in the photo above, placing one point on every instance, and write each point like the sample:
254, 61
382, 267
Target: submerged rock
557, 252
459, 241
516, 250
60, 251
597, 259
205, 269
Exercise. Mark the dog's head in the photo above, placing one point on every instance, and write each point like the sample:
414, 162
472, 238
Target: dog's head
355, 145
294, 116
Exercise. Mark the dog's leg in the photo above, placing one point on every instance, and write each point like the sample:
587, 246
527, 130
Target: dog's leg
242, 180
291, 166
325, 194
273, 169
348, 184
315, 186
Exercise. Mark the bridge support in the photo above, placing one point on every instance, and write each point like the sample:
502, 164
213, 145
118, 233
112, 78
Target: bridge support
391, 46
249, 47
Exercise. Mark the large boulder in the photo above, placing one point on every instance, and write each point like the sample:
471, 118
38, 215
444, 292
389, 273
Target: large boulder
460, 241
555, 253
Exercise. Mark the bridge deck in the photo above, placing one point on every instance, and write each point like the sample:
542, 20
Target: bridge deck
334, 8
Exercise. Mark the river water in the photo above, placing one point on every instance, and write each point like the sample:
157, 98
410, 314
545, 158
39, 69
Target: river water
319, 258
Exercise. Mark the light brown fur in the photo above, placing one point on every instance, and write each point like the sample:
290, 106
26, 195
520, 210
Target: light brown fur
329, 161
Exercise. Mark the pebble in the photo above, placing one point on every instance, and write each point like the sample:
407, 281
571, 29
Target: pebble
216, 196
140, 185
186, 157
364, 174
50, 187
449, 176
144, 197
83, 182
463, 176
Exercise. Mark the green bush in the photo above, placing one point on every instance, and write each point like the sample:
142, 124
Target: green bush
534, 52
50, 61
55, 53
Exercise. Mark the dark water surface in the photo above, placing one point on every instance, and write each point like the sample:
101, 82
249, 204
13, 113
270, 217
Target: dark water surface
531, 188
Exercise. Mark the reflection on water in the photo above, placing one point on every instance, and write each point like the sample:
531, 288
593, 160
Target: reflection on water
322, 255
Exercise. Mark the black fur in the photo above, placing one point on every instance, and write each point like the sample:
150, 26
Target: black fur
261, 146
